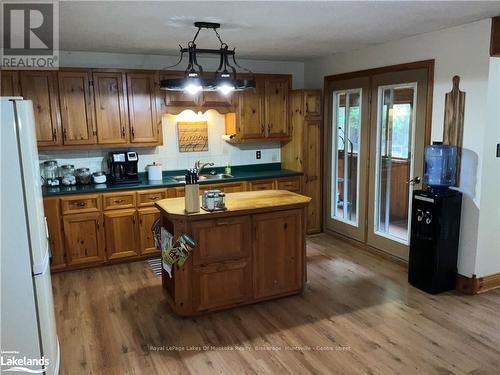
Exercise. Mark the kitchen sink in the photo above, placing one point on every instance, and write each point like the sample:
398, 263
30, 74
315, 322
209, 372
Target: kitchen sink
218, 176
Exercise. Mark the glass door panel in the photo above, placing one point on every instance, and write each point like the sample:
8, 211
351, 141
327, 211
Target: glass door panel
395, 130
346, 140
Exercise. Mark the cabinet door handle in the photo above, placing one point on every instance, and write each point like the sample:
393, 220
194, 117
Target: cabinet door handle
54, 135
123, 132
65, 134
262, 129
133, 132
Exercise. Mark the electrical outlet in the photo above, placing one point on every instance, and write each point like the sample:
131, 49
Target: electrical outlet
258, 154
498, 150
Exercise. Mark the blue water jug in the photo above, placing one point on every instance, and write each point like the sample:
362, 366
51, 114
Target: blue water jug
440, 165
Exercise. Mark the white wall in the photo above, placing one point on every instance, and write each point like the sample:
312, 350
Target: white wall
219, 151
462, 51
75, 59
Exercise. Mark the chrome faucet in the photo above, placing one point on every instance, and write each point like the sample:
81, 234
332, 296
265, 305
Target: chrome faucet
199, 166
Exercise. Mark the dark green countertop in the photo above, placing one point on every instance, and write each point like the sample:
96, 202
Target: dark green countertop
239, 173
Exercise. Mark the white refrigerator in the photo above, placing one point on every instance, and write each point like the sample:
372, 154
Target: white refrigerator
28, 334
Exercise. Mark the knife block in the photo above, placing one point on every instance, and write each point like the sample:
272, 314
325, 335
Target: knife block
192, 198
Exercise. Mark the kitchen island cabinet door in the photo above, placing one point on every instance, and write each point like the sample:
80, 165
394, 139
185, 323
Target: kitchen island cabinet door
147, 216
121, 234
277, 253
83, 238
144, 122
77, 107
222, 284
41, 88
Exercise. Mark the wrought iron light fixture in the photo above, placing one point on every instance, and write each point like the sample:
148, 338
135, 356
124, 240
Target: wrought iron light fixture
195, 80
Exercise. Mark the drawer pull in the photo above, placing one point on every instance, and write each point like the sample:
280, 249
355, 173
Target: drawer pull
80, 203
118, 201
154, 198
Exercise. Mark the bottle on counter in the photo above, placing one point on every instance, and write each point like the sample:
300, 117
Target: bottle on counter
227, 170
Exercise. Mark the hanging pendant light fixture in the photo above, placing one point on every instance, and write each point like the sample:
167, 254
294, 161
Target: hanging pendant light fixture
225, 77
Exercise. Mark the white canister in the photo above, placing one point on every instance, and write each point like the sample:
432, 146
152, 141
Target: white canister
154, 172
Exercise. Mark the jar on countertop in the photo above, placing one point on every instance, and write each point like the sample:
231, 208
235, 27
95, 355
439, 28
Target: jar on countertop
83, 176
67, 173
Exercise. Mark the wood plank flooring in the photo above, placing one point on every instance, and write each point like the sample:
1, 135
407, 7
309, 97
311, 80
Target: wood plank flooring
357, 315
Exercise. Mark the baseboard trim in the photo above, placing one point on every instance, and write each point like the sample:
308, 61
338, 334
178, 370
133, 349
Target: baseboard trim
477, 285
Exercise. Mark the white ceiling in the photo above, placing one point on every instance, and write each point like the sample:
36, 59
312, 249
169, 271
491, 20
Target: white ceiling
282, 30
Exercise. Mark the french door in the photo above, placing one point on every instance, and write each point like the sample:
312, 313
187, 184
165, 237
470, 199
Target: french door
376, 134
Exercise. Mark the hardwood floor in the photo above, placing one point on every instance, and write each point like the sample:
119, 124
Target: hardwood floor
357, 315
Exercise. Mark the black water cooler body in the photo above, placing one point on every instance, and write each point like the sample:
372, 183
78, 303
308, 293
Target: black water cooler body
435, 229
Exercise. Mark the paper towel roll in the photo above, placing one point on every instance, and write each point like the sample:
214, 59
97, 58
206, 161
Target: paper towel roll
154, 172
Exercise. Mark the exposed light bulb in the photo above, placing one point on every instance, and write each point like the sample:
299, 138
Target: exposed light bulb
192, 89
225, 88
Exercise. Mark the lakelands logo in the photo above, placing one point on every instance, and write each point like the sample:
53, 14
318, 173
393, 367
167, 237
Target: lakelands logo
11, 361
30, 35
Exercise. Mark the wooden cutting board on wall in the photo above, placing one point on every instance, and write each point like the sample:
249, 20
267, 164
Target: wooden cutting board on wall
453, 130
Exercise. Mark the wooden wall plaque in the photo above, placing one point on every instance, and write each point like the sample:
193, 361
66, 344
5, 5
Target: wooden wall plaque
193, 136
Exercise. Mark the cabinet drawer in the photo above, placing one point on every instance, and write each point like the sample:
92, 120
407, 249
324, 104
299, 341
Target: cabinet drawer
149, 197
221, 239
112, 201
290, 184
80, 203
222, 284
261, 185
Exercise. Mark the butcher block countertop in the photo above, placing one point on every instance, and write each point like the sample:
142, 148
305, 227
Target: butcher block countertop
239, 203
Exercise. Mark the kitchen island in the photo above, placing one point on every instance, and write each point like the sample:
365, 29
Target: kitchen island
253, 251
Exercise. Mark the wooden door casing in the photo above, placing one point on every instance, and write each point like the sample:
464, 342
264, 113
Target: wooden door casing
83, 238
142, 106
77, 108
41, 88
121, 234
277, 271
110, 107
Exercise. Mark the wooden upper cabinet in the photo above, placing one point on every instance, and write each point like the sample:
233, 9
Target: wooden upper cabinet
41, 88
144, 122
111, 113
250, 116
312, 103
276, 110
218, 101
76, 107
9, 83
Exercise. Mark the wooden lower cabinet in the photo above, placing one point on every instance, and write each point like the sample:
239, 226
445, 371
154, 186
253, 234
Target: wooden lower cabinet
255, 185
121, 234
91, 229
222, 284
147, 217
279, 271
83, 238
54, 226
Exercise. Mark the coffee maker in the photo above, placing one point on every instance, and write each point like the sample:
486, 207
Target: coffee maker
123, 167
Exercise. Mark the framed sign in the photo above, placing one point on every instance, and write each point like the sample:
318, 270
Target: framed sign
193, 136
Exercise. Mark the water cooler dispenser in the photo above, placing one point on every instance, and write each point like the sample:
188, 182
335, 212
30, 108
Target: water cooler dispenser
435, 225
